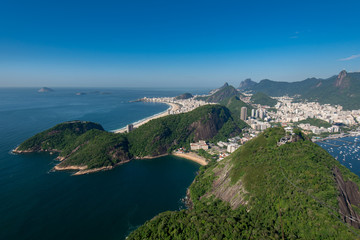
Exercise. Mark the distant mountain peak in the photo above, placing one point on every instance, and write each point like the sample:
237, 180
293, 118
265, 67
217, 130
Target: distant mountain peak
246, 84
340, 81
225, 85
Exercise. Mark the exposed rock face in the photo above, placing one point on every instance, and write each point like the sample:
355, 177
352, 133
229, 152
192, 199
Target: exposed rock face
206, 130
247, 84
349, 196
224, 190
341, 81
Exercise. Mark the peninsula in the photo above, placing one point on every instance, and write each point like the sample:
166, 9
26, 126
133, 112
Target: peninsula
87, 147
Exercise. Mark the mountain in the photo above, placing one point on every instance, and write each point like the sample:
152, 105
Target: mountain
265, 191
343, 89
220, 94
263, 99
184, 96
45, 89
86, 147
247, 84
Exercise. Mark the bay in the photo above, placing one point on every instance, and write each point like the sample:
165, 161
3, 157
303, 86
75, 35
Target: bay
36, 203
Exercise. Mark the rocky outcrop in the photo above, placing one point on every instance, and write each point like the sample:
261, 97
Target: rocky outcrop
247, 84
349, 198
341, 81
223, 189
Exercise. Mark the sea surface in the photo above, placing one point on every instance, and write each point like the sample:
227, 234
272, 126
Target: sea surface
346, 150
36, 203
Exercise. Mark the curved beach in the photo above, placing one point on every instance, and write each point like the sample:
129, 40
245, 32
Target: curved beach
193, 157
172, 106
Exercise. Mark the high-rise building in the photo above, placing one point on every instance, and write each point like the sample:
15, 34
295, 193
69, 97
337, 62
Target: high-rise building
253, 113
243, 114
130, 127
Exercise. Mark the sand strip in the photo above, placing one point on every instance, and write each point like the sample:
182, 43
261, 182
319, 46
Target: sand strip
193, 157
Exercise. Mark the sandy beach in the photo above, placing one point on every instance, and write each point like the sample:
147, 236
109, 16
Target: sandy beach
137, 124
193, 157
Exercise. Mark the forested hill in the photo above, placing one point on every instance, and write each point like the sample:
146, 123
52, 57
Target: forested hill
218, 95
265, 191
263, 99
85, 145
343, 89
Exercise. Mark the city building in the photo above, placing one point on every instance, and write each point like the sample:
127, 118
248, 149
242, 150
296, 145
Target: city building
243, 114
130, 127
199, 145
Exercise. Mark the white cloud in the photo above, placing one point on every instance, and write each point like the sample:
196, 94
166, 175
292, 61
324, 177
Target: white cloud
350, 58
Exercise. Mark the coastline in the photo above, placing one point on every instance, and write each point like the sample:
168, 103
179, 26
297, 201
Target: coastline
172, 106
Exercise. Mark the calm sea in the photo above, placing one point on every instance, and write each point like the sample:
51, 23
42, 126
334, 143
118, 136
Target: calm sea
38, 204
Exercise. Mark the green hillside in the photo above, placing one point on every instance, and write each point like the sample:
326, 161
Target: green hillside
315, 122
263, 99
263, 191
87, 145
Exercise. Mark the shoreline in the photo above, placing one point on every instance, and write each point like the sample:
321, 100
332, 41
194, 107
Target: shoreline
193, 157
172, 106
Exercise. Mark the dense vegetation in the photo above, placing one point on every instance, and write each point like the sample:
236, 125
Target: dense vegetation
87, 145
343, 89
59, 136
315, 122
290, 193
263, 99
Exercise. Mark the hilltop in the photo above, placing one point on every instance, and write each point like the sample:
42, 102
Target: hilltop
85, 146
265, 191
342, 89
220, 94
184, 96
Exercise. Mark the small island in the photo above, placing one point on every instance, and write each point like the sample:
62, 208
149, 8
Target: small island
45, 90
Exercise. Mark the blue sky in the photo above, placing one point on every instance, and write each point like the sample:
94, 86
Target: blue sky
174, 43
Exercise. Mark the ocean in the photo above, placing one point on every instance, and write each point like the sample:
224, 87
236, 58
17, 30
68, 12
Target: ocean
346, 150
36, 203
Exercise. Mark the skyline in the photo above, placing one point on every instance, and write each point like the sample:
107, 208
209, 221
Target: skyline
206, 43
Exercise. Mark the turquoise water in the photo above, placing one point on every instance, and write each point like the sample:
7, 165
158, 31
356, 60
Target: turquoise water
36, 203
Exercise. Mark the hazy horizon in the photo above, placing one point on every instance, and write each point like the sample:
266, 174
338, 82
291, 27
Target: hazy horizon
174, 44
